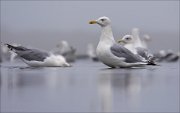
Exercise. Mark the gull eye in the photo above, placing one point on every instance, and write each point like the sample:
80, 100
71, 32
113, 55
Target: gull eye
128, 38
102, 20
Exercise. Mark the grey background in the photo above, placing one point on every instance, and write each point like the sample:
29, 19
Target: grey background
42, 24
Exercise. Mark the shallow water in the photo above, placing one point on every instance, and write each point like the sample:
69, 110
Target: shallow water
89, 87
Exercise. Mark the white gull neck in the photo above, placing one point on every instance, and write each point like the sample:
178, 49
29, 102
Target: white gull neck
106, 34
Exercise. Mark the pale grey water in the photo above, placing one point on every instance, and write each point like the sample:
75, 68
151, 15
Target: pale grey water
89, 87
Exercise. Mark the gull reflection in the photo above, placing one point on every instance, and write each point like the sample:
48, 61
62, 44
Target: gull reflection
47, 78
105, 92
125, 85
18, 78
55, 79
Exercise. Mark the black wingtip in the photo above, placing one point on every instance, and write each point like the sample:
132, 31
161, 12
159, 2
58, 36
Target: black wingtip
152, 61
6, 44
9, 46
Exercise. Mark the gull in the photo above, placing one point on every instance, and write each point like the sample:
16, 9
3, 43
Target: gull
137, 41
64, 49
129, 42
173, 57
132, 42
168, 56
111, 53
135, 46
38, 58
146, 38
91, 52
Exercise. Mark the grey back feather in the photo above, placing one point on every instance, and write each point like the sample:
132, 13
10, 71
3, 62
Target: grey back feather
30, 54
121, 51
33, 54
143, 52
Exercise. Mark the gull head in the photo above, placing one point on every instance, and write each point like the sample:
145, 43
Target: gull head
62, 44
147, 38
102, 21
127, 39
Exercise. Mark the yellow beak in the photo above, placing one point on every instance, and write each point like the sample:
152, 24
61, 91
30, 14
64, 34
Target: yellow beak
93, 22
121, 41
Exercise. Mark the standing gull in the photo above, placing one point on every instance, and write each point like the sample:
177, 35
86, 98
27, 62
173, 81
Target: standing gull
146, 38
138, 41
111, 53
37, 58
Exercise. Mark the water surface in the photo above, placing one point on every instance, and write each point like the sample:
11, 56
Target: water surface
89, 87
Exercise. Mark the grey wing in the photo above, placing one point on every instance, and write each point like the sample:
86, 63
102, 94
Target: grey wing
16, 48
121, 51
33, 54
143, 52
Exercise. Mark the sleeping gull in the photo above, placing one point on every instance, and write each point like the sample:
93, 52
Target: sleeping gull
111, 53
130, 42
168, 56
37, 58
173, 57
64, 49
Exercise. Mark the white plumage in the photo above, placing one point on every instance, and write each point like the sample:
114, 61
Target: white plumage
38, 58
109, 52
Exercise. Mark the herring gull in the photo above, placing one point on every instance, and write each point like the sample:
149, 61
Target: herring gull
135, 45
111, 53
38, 58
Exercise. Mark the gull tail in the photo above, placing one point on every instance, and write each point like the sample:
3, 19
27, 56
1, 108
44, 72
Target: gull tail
67, 64
151, 60
15, 48
10, 47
